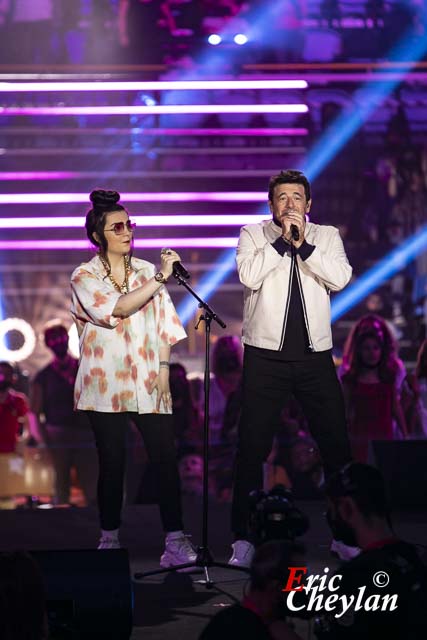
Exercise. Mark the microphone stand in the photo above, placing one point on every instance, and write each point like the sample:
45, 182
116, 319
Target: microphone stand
204, 559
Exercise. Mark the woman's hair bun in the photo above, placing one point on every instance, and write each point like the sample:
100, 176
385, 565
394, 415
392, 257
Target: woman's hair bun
102, 199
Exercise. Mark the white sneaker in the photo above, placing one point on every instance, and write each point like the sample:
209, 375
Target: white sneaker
344, 551
109, 540
243, 552
178, 550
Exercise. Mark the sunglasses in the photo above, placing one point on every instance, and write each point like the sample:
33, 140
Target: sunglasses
121, 227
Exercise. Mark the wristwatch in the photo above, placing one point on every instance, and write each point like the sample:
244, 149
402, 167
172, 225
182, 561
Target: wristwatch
159, 277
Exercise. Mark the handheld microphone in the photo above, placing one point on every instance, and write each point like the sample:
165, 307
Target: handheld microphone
294, 232
180, 270
178, 267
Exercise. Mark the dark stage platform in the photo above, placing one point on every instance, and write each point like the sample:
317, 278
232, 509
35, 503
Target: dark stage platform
174, 605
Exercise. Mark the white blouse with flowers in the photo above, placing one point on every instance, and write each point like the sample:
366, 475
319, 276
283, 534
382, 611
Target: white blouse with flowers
119, 357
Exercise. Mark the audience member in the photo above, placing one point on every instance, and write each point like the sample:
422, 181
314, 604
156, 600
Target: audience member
141, 36
370, 394
377, 324
13, 410
359, 514
186, 416
65, 432
260, 615
414, 396
29, 31
225, 381
306, 469
224, 409
14, 421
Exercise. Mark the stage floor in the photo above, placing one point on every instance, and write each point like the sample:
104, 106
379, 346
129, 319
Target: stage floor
174, 605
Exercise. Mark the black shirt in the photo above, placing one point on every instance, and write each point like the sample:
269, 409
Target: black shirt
296, 343
235, 622
58, 398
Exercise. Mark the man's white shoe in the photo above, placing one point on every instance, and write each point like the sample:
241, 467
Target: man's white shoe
243, 552
178, 550
109, 542
344, 551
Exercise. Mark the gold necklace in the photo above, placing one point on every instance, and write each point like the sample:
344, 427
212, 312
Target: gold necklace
124, 287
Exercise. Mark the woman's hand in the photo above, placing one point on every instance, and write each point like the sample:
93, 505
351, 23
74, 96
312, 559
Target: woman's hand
161, 384
167, 258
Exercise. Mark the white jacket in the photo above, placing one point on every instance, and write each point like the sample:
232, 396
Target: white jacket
266, 277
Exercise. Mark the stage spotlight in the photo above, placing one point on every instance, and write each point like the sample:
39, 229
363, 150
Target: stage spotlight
214, 39
240, 38
147, 100
28, 335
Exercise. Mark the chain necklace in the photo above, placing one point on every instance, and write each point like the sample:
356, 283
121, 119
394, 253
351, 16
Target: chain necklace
124, 287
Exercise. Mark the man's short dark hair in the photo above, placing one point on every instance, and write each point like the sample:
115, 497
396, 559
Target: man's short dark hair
6, 365
289, 176
271, 561
364, 484
54, 326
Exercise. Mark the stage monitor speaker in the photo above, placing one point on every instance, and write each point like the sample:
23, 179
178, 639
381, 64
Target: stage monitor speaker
89, 593
403, 464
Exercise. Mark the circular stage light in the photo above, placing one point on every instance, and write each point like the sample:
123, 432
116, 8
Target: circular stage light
214, 39
24, 352
240, 38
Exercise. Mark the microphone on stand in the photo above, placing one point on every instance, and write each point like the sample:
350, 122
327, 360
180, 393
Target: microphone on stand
294, 232
178, 267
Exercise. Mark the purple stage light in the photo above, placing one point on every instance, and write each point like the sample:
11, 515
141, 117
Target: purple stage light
196, 220
184, 196
176, 131
165, 85
153, 243
38, 175
174, 109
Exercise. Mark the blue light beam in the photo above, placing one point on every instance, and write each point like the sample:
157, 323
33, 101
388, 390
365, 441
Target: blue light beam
352, 118
208, 284
393, 262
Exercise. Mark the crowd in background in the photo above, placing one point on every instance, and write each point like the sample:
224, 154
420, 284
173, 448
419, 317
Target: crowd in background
383, 401
149, 31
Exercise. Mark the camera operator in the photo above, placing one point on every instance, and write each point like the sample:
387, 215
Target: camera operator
260, 615
359, 515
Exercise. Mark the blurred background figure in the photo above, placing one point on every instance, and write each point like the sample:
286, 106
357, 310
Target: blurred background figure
414, 396
306, 469
141, 36
186, 416
224, 409
372, 400
376, 324
260, 615
227, 359
65, 432
14, 424
359, 515
28, 30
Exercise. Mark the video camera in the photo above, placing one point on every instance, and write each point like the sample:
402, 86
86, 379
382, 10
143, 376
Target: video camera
274, 516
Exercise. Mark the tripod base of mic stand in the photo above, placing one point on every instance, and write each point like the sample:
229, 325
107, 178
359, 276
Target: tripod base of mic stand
204, 560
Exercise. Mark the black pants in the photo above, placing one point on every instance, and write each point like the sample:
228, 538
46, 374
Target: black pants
157, 430
267, 385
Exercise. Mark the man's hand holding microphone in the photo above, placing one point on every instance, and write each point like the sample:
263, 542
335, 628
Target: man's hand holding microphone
293, 227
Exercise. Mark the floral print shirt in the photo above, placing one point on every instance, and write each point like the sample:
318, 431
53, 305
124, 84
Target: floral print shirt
119, 357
